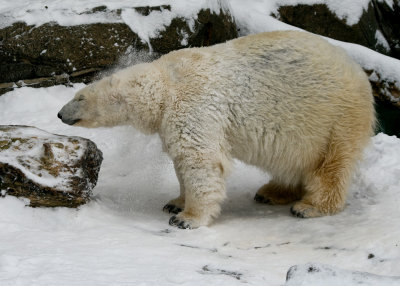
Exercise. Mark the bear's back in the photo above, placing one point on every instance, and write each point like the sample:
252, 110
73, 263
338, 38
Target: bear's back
277, 93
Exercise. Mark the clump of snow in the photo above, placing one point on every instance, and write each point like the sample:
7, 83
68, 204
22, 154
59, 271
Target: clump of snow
373, 77
149, 26
390, 3
381, 40
185, 36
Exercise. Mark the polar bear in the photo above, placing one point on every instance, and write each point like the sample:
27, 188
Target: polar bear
287, 102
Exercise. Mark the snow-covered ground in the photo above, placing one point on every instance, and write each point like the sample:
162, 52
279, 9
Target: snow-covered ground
123, 238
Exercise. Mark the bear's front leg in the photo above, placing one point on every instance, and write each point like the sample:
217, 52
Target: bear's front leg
176, 205
204, 191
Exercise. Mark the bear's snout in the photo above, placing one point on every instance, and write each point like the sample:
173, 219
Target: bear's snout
69, 113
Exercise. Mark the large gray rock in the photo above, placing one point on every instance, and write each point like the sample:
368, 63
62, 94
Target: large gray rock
52, 54
50, 170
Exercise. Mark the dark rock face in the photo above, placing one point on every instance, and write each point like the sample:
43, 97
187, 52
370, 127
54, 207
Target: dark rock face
387, 104
320, 20
379, 17
389, 23
52, 54
36, 52
50, 170
209, 29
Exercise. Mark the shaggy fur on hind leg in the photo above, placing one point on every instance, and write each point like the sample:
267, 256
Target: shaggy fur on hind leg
274, 193
326, 187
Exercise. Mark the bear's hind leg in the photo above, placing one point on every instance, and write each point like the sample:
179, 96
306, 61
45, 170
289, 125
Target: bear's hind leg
177, 205
275, 193
326, 187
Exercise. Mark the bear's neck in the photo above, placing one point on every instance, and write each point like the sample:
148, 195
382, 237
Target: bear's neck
149, 104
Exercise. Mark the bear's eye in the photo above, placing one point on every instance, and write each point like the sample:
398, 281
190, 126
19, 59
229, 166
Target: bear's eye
81, 97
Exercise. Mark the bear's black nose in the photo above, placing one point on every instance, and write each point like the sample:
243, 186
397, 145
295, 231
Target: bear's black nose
59, 115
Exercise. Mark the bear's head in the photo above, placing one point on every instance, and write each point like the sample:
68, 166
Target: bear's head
93, 106
133, 96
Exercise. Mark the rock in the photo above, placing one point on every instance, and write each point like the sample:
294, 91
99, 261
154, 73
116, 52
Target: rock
73, 52
377, 29
388, 19
318, 274
50, 170
384, 90
209, 29
52, 54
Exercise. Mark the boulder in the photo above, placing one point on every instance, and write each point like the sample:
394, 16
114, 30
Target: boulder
377, 29
49, 170
53, 54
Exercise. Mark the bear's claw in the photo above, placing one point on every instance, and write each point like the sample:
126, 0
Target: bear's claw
260, 199
175, 221
297, 213
305, 210
172, 209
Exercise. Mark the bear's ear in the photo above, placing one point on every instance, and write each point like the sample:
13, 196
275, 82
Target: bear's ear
114, 81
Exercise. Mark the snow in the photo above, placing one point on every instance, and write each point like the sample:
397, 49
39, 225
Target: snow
317, 274
75, 12
123, 238
147, 27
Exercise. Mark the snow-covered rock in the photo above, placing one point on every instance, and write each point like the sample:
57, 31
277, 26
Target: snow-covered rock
49, 170
373, 24
38, 52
